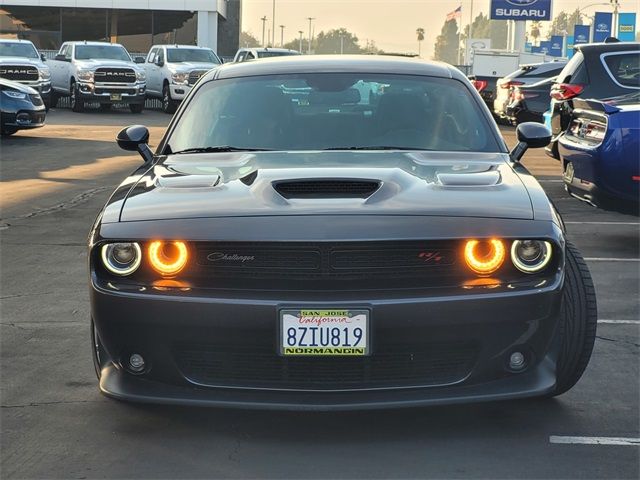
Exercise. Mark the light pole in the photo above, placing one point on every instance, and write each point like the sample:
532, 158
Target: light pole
301, 33
264, 22
273, 26
282, 35
614, 27
310, 20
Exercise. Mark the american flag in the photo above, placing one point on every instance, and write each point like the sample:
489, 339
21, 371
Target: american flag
457, 13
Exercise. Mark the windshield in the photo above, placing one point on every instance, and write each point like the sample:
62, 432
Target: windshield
178, 55
334, 111
266, 54
25, 50
107, 52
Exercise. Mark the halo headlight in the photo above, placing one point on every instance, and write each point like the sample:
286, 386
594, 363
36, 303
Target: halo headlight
530, 256
484, 256
121, 258
168, 258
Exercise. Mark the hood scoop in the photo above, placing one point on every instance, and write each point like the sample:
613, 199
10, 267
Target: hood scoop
326, 188
188, 181
476, 179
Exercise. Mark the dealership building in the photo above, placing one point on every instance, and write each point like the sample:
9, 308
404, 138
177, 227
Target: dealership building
137, 24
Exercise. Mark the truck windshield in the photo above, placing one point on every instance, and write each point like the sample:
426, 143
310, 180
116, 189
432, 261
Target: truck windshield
25, 50
179, 55
334, 111
106, 52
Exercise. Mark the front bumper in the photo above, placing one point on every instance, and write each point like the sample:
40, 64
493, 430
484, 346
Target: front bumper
161, 326
110, 93
24, 119
179, 91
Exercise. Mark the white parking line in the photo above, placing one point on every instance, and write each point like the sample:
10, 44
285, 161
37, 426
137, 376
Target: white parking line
602, 223
550, 181
595, 440
621, 322
608, 259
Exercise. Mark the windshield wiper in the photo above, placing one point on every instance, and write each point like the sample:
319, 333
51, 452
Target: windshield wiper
219, 148
375, 147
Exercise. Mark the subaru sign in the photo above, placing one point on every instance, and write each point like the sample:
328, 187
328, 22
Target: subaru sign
521, 10
556, 44
581, 34
602, 26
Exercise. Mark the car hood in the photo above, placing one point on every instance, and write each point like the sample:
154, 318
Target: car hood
407, 183
18, 86
103, 63
188, 66
35, 62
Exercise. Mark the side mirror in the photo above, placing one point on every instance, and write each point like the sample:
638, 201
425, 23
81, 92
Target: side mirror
530, 135
160, 63
42, 57
61, 57
138, 59
135, 139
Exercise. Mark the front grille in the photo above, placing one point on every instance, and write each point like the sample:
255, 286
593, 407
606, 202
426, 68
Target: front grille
391, 366
326, 188
115, 75
195, 75
36, 100
19, 73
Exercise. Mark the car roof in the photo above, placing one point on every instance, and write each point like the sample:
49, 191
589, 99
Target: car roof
607, 47
15, 40
84, 42
179, 45
336, 64
266, 49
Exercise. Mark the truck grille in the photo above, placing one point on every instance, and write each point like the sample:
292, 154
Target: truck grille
115, 75
195, 75
19, 73
390, 366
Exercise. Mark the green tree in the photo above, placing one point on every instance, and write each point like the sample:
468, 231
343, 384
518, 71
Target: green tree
483, 27
535, 30
420, 34
565, 22
247, 40
336, 40
446, 48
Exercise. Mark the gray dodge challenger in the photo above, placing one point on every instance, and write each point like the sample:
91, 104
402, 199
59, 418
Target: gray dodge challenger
335, 232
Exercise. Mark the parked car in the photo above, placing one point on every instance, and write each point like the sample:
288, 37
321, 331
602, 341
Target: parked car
21, 107
245, 54
97, 72
525, 75
21, 62
597, 70
600, 152
275, 254
173, 69
528, 103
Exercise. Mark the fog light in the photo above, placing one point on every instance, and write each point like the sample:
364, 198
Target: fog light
136, 363
517, 361
485, 256
168, 258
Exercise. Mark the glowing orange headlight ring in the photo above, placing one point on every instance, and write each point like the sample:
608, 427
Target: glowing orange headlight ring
488, 263
164, 264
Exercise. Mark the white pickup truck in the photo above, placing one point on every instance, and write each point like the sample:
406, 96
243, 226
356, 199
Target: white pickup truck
173, 69
97, 72
21, 62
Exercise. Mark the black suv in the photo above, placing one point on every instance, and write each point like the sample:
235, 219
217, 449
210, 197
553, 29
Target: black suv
597, 70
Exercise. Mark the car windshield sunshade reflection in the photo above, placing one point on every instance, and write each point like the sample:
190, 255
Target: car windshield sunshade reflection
335, 111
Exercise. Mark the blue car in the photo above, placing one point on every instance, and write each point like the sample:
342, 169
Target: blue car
600, 152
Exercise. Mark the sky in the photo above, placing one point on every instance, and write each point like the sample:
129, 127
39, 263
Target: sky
390, 23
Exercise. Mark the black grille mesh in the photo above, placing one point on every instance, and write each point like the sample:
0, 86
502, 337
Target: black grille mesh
115, 75
326, 188
389, 366
19, 72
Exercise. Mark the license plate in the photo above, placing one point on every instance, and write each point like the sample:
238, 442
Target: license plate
115, 97
324, 332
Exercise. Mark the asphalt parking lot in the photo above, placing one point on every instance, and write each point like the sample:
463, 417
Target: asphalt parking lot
55, 424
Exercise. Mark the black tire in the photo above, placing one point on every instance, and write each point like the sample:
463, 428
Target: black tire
105, 107
53, 99
5, 132
168, 104
578, 321
98, 352
77, 105
136, 107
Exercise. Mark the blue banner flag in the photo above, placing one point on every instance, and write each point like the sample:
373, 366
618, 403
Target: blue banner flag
520, 10
627, 27
602, 26
581, 34
545, 47
555, 48
570, 44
